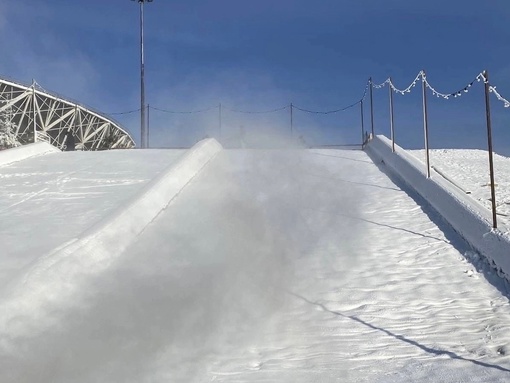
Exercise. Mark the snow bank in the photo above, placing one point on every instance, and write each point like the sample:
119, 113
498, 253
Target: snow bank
55, 277
26, 151
467, 216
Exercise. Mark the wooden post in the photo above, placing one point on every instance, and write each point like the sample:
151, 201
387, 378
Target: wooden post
489, 141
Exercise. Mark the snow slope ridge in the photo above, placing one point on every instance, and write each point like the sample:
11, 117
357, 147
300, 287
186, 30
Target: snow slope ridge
56, 278
26, 151
466, 215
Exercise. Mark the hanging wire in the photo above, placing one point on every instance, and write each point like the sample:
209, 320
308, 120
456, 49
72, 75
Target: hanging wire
257, 112
184, 112
329, 111
128, 112
459, 93
365, 92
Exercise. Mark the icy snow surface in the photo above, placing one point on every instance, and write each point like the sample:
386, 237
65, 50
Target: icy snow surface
270, 266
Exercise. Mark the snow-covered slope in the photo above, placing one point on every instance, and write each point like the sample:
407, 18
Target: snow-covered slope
470, 218
273, 266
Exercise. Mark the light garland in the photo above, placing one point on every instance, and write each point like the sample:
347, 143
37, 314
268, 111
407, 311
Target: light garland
394, 88
381, 85
492, 89
408, 89
454, 94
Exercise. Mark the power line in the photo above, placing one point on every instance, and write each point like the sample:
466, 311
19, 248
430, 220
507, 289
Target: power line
184, 112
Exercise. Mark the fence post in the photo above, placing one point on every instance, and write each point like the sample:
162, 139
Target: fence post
391, 118
425, 122
489, 140
371, 106
362, 126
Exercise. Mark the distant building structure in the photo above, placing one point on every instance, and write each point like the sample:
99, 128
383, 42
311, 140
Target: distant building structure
38, 115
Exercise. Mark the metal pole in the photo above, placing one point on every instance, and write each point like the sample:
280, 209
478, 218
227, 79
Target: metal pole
371, 106
391, 118
142, 82
148, 127
362, 126
35, 111
489, 140
219, 109
291, 122
425, 123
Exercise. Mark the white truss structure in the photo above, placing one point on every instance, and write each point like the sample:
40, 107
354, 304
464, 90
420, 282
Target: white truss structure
41, 116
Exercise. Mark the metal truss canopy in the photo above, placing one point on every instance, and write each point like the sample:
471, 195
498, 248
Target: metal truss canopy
40, 116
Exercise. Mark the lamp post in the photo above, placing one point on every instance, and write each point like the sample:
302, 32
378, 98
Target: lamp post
143, 131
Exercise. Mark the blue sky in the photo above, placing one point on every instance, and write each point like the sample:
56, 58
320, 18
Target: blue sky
264, 55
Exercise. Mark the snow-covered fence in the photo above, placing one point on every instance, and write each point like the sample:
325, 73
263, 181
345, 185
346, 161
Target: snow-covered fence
466, 215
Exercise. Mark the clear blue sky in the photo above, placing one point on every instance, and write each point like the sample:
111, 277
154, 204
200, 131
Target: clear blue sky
262, 55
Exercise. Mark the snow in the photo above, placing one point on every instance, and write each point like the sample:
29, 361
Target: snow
470, 169
268, 266
471, 219
26, 151
49, 199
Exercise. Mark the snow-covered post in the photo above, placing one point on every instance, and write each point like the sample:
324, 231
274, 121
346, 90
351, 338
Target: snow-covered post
371, 105
425, 122
391, 118
489, 140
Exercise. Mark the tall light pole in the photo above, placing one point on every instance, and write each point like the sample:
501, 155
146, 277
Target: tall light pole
143, 130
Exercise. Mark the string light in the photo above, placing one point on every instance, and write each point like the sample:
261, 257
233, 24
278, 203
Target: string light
421, 75
447, 96
506, 103
406, 90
